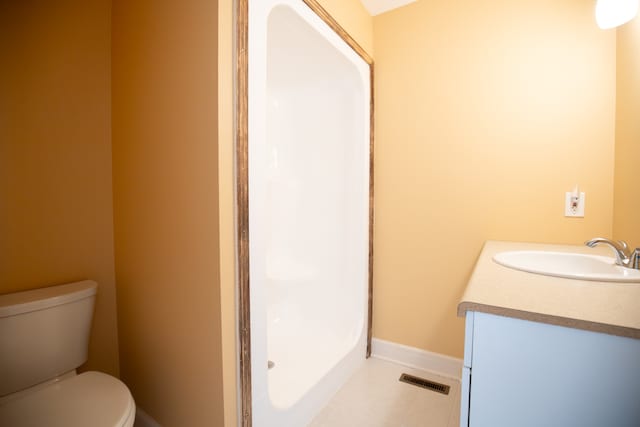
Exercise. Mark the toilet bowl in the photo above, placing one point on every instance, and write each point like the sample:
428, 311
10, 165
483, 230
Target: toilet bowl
44, 334
89, 399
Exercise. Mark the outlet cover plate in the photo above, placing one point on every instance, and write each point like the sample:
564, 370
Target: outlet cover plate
579, 211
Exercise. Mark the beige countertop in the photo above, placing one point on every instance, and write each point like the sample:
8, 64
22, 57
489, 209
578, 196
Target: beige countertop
609, 307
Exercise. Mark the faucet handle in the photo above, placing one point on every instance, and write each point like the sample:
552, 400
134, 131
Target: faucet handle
624, 245
634, 259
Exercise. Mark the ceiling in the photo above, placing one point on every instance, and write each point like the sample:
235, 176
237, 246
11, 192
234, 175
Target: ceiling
376, 7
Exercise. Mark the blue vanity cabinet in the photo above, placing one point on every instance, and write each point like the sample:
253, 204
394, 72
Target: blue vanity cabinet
520, 373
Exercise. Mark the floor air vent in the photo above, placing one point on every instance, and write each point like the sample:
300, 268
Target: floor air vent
421, 382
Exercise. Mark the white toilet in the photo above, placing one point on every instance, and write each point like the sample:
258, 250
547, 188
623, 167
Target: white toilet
44, 337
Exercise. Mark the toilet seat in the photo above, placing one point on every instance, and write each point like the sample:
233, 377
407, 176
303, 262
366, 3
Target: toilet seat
89, 399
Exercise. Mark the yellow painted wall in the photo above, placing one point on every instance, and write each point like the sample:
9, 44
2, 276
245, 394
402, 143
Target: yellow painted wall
55, 155
626, 224
486, 113
226, 196
165, 131
354, 18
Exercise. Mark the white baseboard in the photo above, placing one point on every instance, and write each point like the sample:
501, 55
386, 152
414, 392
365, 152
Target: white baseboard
144, 420
412, 357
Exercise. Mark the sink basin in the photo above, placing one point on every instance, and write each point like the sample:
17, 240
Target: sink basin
569, 265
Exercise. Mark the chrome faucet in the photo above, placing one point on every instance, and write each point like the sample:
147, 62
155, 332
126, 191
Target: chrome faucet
624, 256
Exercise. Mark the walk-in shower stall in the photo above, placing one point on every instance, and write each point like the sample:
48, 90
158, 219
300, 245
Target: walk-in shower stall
309, 106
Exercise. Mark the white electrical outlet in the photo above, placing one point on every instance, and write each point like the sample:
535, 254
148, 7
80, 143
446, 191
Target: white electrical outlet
574, 207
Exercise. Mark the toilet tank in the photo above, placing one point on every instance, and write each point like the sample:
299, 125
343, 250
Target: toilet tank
44, 333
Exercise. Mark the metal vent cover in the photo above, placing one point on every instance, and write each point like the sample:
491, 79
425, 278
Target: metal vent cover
421, 382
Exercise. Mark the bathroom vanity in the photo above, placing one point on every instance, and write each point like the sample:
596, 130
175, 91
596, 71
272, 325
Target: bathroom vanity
548, 351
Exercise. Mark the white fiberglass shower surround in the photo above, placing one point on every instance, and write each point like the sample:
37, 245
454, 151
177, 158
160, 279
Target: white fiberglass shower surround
309, 105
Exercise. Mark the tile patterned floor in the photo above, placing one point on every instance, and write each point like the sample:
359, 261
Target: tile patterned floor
374, 397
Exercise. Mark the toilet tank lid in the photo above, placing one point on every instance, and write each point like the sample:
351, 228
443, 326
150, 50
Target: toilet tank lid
39, 299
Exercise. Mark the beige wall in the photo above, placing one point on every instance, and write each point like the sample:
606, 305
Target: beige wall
226, 195
486, 113
626, 224
165, 134
55, 155
354, 18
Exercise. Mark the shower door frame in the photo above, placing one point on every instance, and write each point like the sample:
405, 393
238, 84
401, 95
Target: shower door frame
242, 189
